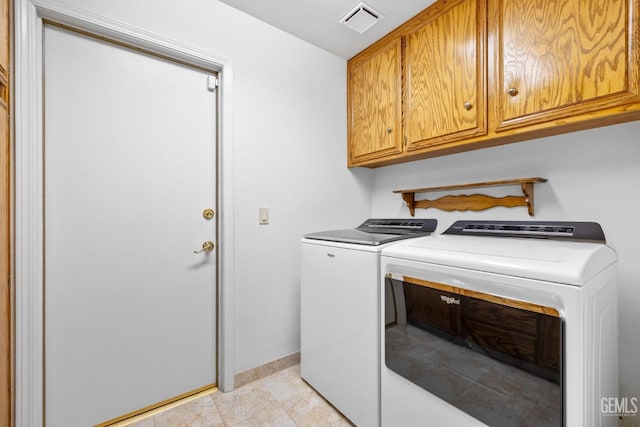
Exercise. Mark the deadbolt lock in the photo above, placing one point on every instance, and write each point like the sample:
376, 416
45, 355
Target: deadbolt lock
208, 213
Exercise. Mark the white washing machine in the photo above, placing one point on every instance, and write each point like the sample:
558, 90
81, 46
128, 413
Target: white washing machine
340, 323
500, 324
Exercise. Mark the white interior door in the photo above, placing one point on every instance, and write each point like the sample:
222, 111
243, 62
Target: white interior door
130, 155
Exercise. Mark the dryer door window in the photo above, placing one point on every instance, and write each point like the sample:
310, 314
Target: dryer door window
499, 360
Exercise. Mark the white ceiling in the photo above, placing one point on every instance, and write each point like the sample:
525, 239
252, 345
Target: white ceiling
317, 21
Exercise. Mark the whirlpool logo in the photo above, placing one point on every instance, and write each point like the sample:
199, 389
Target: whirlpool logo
449, 300
619, 406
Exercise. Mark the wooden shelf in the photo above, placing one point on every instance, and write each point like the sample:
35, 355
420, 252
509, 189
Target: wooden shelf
474, 202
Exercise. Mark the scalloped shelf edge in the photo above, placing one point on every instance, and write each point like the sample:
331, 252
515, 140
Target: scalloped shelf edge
473, 202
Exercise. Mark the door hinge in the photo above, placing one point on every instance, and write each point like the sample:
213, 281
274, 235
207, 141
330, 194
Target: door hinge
212, 83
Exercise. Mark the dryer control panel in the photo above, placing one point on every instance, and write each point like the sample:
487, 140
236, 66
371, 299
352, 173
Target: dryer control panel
573, 231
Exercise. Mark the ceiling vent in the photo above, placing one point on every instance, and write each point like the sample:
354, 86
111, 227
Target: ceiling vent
361, 18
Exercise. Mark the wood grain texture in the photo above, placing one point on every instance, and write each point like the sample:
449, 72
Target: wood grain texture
561, 55
444, 70
425, 306
576, 93
485, 297
523, 331
549, 353
472, 202
500, 183
4, 37
6, 324
4, 91
374, 104
521, 321
521, 347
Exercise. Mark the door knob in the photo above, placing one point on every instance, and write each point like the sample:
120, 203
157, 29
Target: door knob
206, 247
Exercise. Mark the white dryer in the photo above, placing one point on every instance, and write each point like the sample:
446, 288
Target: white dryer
500, 324
340, 324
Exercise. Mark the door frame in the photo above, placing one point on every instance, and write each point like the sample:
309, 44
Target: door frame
30, 16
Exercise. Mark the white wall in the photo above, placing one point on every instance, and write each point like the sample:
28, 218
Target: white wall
290, 151
290, 155
593, 176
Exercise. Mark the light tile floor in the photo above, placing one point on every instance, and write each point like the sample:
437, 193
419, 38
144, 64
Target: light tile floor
281, 399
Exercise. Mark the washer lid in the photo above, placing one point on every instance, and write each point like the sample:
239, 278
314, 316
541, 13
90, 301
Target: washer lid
374, 232
561, 261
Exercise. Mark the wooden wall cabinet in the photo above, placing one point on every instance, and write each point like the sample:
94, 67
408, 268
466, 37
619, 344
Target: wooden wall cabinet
445, 95
575, 58
374, 97
480, 73
431, 78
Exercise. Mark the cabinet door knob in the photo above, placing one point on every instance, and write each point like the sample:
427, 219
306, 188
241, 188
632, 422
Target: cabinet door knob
467, 105
389, 130
512, 91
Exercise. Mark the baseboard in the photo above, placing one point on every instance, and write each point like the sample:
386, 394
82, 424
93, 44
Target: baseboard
250, 375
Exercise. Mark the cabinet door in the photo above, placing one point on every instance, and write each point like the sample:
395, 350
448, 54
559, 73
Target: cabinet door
445, 74
562, 58
374, 103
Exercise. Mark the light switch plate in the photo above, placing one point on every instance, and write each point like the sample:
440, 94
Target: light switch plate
263, 216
